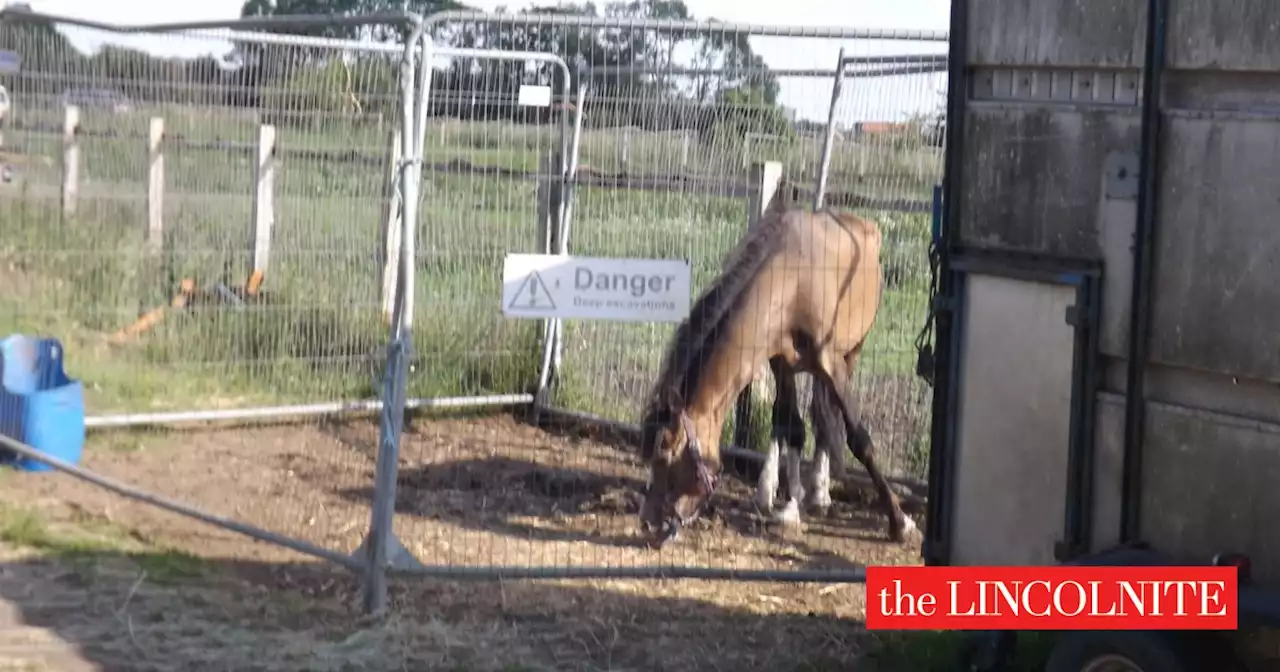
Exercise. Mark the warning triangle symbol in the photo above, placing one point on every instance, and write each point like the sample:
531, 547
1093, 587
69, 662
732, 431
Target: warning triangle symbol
532, 295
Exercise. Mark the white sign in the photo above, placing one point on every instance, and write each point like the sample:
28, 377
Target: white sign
534, 96
10, 61
628, 290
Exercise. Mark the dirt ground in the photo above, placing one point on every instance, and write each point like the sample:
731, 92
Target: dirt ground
474, 492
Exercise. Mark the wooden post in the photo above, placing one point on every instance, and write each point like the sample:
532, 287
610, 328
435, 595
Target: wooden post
765, 179
70, 159
684, 148
392, 231
264, 210
155, 187
626, 149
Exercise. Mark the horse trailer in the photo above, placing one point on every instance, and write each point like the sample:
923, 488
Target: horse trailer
1109, 222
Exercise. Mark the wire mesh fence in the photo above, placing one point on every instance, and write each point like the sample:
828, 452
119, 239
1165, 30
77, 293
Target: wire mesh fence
242, 204
662, 170
200, 218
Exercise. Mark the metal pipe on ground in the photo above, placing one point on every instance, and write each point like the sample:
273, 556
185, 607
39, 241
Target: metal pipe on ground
179, 508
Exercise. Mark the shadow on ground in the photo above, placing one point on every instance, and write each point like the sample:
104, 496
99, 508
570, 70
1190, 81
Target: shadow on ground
503, 495
71, 609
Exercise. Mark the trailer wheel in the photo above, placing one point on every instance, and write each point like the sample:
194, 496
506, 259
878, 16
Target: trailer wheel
1123, 651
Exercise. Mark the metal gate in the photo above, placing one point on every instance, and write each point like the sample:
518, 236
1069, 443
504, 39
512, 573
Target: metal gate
662, 162
202, 240
645, 175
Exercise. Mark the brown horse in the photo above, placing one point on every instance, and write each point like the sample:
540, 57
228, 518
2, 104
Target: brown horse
800, 293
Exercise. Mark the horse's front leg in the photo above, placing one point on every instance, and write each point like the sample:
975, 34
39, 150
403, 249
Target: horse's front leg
767, 485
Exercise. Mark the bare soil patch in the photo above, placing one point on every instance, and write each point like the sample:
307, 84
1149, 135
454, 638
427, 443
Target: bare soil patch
487, 491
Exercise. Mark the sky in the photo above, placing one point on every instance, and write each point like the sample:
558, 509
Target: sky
863, 99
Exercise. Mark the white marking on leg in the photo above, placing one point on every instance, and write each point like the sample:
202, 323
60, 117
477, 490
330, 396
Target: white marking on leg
795, 482
790, 514
767, 486
821, 497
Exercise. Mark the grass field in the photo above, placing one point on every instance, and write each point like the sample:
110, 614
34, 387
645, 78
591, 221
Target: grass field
100, 580
318, 336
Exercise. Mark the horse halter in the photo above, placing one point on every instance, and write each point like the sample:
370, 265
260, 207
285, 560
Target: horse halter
693, 451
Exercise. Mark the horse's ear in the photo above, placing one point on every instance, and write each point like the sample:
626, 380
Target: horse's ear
651, 427
648, 443
675, 401
782, 198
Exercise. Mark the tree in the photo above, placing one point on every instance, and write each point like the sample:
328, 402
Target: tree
632, 72
346, 8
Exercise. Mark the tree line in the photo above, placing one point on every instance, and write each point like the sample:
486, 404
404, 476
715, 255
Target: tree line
632, 84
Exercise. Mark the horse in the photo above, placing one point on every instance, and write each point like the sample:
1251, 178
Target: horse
799, 293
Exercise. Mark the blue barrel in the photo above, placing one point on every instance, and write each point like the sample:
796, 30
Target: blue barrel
39, 405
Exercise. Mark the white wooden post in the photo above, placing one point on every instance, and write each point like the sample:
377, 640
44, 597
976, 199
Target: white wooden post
626, 148
765, 180
264, 209
70, 159
155, 186
684, 148
392, 233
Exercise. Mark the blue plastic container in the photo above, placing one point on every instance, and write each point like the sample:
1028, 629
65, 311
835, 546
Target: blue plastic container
39, 405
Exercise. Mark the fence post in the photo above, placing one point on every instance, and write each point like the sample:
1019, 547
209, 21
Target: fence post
264, 209
626, 149
684, 148
765, 179
70, 159
391, 229
549, 196
155, 187
548, 202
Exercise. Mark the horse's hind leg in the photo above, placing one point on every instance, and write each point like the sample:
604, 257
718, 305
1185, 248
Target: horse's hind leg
837, 373
767, 484
829, 446
787, 434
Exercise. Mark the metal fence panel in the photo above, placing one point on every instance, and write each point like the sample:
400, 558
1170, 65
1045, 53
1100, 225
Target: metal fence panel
664, 156
201, 217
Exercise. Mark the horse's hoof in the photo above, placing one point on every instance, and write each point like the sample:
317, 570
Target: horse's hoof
898, 532
789, 516
820, 505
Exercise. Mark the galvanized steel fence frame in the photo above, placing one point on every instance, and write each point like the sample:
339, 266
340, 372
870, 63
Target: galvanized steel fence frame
552, 346
372, 554
381, 553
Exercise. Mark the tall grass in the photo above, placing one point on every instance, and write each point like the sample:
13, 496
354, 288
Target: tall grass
318, 334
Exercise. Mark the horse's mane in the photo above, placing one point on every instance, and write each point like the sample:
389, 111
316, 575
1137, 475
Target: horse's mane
688, 352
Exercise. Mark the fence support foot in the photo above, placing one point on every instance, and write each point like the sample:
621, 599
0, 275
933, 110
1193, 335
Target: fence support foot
398, 557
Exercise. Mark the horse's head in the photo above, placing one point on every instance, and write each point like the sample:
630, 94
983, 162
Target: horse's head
681, 478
